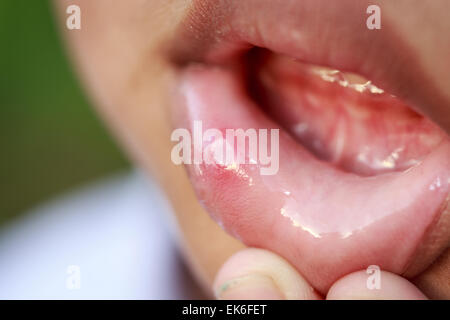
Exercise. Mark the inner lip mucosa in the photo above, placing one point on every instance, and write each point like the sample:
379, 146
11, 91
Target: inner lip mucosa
343, 197
340, 117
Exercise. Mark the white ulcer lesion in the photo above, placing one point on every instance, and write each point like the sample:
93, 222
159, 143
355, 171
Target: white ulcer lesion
347, 80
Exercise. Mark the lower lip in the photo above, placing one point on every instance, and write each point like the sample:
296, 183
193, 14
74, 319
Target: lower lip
326, 222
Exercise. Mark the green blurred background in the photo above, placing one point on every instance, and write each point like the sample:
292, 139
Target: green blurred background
50, 138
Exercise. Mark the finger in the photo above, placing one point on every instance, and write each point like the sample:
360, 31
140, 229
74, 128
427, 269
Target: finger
392, 287
256, 274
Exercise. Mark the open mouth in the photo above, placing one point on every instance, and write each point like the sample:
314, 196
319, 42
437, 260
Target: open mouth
363, 178
340, 117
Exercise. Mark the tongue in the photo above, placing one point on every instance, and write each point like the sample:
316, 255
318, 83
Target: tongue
343, 119
325, 221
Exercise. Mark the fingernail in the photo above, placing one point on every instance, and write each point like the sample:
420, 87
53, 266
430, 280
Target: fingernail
250, 287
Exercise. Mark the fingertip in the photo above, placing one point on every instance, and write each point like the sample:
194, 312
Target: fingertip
256, 274
357, 286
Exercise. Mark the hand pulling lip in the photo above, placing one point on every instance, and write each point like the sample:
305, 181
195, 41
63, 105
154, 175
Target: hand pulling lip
331, 34
329, 223
322, 33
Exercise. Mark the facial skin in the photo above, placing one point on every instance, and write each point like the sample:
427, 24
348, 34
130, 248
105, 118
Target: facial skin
121, 55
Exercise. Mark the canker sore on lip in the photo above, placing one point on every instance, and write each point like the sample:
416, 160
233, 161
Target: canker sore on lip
325, 218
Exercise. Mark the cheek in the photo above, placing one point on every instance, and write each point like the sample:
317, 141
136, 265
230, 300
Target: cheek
435, 283
430, 48
118, 42
117, 54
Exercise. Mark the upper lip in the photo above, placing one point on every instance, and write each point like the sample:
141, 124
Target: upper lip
321, 32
